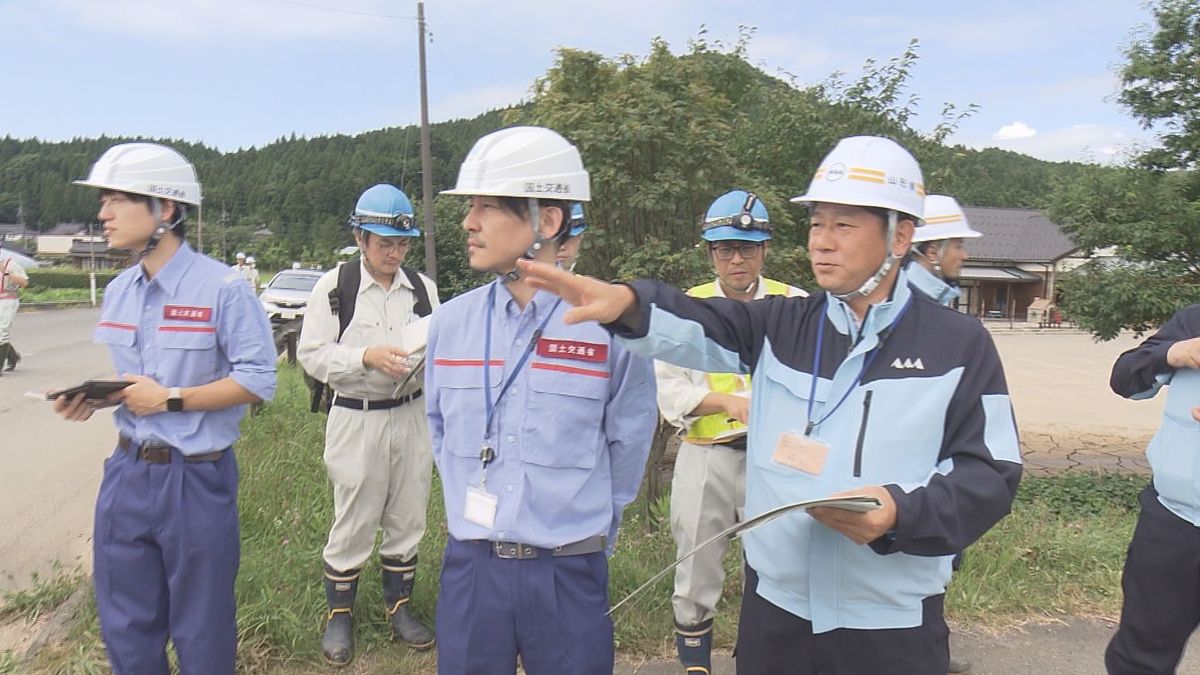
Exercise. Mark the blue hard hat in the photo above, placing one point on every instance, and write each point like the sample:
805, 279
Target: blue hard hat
736, 216
385, 210
578, 224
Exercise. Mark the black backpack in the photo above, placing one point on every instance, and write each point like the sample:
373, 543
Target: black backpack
341, 302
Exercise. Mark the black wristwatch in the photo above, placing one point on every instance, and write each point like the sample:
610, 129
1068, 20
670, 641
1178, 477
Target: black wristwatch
175, 400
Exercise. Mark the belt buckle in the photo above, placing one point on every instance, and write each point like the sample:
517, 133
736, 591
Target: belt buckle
155, 453
514, 551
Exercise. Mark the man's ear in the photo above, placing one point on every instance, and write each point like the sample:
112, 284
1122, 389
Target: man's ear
933, 251
552, 219
904, 235
169, 211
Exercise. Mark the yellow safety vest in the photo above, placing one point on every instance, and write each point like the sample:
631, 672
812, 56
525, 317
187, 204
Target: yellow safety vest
707, 429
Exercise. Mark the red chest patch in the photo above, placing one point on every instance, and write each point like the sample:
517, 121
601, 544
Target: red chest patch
592, 352
184, 313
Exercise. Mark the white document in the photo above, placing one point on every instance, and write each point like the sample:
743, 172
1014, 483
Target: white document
857, 503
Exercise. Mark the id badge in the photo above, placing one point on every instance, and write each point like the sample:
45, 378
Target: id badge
480, 507
800, 452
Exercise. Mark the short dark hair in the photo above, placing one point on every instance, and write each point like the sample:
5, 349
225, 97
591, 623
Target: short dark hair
180, 208
520, 206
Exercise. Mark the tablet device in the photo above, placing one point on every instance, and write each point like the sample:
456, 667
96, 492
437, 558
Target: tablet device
93, 390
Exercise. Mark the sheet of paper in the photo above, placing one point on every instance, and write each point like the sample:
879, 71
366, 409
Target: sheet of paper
859, 503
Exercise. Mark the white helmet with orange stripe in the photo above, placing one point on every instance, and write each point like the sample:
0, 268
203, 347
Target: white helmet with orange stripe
944, 219
871, 172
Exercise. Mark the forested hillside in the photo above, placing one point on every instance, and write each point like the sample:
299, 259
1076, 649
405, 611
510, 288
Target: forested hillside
662, 136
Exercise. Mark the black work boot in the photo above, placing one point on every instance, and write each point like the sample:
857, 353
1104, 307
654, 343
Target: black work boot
337, 646
4, 350
399, 577
13, 357
694, 646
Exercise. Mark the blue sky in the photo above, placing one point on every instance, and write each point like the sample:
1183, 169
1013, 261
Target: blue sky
237, 73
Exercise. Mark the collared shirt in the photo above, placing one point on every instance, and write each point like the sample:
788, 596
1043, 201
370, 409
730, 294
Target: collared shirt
9, 268
194, 323
379, 317
571, 434
930, 285
680, 389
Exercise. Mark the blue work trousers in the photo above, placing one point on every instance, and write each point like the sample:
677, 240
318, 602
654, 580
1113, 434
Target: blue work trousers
166, 556
549, 610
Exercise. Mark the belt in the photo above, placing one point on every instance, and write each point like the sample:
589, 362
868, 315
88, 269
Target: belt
511, 550
384, 404
153, 452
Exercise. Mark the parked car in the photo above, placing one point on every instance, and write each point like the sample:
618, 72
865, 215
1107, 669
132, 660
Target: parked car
286, 295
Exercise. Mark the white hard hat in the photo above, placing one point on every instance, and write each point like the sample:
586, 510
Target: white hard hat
240, 255
524, 162
944, 219
145, 169
250, 260
869, 171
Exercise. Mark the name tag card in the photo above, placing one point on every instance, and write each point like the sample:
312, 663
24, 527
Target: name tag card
800, 452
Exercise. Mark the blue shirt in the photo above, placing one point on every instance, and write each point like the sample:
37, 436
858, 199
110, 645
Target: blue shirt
195, 322
930, 285
571, 434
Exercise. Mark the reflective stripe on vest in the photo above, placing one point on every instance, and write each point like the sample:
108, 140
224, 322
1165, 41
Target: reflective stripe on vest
705, 430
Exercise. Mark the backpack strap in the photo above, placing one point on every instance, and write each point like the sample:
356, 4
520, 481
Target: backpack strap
344, 296
422, 306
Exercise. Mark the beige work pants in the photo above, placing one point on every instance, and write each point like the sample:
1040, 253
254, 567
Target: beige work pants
708, 495
380, 463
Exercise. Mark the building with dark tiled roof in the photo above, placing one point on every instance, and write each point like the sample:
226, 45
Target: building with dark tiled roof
1013, 263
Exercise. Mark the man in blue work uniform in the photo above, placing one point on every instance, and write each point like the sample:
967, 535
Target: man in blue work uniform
864, 389
195, 345
938, 251
540, 430
1161, 581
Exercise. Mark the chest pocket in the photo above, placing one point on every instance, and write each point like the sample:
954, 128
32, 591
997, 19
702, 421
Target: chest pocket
188, 358
460, 398
564, 425
121, 340
780, 405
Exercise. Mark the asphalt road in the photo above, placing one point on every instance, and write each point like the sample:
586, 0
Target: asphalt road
50, 468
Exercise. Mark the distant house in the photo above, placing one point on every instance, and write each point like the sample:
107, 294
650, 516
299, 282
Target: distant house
55, 244
1015, 261
12, 232
85, 254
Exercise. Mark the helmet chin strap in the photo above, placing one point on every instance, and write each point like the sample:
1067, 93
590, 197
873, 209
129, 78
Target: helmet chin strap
535, 219
160, 230
889, 261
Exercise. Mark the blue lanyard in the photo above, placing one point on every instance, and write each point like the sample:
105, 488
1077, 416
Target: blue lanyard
816, 368
487, 453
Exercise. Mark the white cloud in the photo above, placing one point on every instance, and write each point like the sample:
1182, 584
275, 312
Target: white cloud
1014, 131
1095, 143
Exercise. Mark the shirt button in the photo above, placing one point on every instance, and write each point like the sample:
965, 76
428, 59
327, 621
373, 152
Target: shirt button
508, 488
502, 534
510, 438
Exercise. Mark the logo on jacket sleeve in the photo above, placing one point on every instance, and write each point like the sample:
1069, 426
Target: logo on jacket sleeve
592, 352
908, 364
184, 313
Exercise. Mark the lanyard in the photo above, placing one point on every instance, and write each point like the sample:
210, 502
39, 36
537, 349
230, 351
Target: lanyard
870, 358
487, 453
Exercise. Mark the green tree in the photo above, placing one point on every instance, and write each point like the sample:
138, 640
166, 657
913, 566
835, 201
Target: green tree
1150, 217
1160, 83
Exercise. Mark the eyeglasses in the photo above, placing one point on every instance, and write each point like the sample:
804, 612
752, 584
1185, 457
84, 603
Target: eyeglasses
726, 251
388, 245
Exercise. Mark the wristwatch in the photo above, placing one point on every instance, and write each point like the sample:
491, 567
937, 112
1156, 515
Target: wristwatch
175, 400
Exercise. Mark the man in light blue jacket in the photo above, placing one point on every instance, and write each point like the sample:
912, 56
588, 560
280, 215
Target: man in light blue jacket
1162, 569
